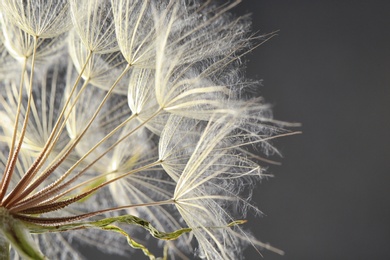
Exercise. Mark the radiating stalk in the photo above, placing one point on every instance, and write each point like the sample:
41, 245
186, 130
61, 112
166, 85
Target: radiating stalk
54, 188
19, 194
18, 110
44, 193
43, 155
71, 219
14, 134
93, 189
28, 187
63, 154
57, 129
14, 154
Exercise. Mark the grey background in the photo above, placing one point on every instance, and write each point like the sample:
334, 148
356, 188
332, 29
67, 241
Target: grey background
328, 68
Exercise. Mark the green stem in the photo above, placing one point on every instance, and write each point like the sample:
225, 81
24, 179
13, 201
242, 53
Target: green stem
4, 248
12, 231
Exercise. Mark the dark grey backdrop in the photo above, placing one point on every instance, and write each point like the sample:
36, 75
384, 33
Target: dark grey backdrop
329, 69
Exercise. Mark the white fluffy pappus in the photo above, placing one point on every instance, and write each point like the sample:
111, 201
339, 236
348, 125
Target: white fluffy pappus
127, 120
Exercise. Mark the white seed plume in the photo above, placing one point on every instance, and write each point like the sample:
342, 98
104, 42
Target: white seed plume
40, 18
124, 121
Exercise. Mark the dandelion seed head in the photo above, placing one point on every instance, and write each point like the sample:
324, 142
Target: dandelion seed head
94, 23
127, 121
41, 18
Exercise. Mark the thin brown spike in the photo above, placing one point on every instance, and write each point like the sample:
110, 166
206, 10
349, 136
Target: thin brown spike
71, 219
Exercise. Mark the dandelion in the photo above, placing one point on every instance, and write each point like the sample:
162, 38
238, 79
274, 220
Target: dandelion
121, 120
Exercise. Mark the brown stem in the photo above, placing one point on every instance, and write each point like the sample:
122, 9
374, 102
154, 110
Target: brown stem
8, 174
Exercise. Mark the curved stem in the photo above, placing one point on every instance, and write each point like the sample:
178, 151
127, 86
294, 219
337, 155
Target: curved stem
15, 233
4, 248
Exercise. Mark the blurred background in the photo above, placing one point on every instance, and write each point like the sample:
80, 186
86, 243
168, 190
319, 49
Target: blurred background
329, 69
